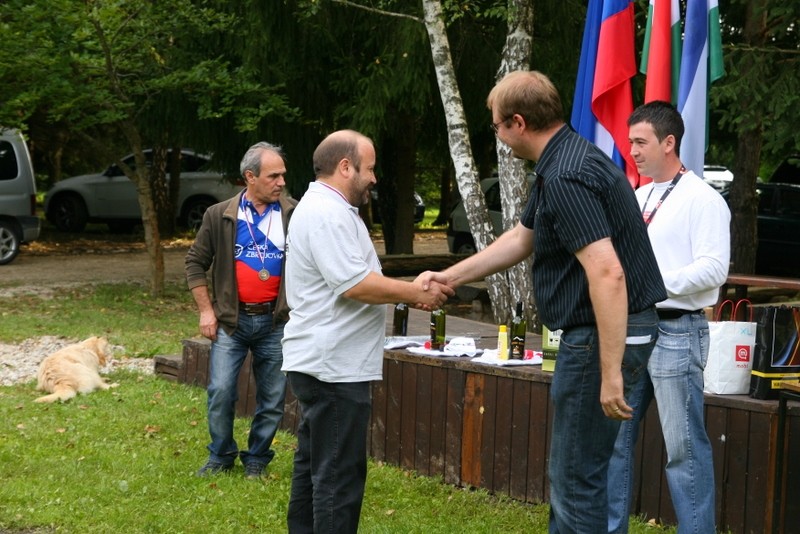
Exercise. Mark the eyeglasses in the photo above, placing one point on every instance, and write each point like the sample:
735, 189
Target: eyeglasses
498, 123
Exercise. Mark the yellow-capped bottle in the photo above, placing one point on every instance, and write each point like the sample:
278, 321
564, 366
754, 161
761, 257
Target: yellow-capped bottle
502, 342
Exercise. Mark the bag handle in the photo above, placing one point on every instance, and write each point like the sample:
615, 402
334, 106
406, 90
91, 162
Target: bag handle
747, 306
722, 306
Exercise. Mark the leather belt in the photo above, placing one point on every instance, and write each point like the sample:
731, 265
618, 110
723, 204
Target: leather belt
257, 308
667, 314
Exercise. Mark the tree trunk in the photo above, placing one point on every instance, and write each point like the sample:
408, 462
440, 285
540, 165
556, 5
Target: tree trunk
743, 201
512, 172
461, 151
152, 237
396, 187
159, 188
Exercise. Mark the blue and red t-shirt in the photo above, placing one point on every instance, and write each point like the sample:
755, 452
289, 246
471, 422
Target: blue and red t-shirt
260, 243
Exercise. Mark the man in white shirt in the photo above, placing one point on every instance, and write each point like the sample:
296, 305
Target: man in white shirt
333, 342
689, 229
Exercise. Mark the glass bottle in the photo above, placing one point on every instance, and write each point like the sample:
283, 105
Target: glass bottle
400, 324
438, 321
518, 326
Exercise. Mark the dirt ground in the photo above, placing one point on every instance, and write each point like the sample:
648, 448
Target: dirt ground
57, 260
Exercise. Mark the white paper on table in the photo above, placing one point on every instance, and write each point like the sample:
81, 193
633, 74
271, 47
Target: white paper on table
401, 342
489, 356
430, 352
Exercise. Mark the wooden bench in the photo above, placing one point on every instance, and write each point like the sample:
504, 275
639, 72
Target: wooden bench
742, 282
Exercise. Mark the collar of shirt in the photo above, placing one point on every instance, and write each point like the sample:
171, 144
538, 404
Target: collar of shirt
549, 152
332, 192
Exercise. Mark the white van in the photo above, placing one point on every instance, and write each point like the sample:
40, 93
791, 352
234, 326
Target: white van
18, 220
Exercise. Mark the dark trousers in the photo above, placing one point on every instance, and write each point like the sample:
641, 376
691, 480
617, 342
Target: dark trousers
330, 463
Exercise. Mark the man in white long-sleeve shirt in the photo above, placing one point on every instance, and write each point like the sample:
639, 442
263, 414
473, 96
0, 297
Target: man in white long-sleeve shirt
689, 227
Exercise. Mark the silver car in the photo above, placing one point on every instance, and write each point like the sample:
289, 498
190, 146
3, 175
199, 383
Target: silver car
110, 197
18, 220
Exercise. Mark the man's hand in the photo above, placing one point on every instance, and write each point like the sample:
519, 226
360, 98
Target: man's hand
427, 277
208, 325
612, 398
433, 295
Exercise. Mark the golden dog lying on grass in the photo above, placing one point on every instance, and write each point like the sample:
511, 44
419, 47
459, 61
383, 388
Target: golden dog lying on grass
73, 369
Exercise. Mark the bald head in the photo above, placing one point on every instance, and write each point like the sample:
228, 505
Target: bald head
341, 144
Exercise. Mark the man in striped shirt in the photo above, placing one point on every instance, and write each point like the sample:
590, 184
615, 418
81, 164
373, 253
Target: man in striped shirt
595, 278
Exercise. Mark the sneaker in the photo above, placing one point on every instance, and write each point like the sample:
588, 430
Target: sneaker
213, 468
255, 470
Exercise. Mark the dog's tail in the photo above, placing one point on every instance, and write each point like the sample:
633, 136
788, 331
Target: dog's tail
58, 394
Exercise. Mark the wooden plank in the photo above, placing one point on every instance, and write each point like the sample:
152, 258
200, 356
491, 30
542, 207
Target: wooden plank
377, 433
790, 497
456, 385
520, 433
191, 355
652, 465
422, 431
759, 502
394, 392
486, 449
503, 431
716, 428
471, 437
408, 414
291, 411
539, 430
246, 388
438, 421
736, 486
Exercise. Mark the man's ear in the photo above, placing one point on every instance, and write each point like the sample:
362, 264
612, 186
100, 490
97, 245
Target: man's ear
669, 143
345, 167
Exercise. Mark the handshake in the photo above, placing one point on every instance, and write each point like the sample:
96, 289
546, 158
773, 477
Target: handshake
432, 289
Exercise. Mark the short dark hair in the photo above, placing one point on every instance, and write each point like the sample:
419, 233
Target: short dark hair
664, 119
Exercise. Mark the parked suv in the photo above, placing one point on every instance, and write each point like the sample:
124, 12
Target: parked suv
18, 220
459, 237
110, 197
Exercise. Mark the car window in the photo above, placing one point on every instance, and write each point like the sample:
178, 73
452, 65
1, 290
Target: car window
765, 195
789, 202
788, 171
493, 197
8, 161
192, 163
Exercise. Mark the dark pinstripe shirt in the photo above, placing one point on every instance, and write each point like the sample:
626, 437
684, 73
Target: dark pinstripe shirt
581, 197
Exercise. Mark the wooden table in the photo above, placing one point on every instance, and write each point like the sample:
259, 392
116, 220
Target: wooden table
789, 391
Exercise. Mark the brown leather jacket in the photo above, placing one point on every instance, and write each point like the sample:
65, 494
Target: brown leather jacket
213, 249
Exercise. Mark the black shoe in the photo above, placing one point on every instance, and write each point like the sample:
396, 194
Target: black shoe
255, 470
213, 468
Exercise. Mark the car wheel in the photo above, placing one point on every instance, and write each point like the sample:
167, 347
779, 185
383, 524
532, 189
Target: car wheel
193, 212
464, 244
9, 243
68, 213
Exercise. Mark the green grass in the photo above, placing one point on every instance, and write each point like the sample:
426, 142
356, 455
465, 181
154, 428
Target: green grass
123, 460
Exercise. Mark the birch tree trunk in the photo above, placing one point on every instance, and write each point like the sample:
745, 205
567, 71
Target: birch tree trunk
512, 171
461, 152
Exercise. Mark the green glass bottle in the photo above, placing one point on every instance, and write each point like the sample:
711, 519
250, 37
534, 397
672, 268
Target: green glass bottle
438, 321
518, 326
400, 324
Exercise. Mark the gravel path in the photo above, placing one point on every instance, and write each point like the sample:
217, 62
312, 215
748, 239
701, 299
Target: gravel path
19, 363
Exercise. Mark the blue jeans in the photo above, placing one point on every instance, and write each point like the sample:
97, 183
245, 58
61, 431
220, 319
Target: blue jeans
675, 378
583, 437
330, 463
254, 333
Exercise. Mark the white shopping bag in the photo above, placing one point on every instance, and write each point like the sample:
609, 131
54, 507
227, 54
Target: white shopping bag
730, 353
